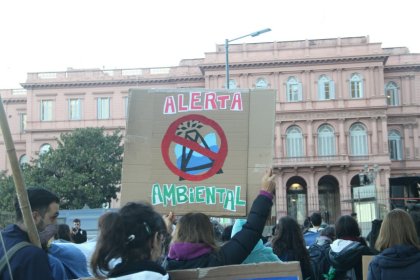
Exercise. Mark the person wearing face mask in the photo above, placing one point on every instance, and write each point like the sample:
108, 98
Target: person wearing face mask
30, 261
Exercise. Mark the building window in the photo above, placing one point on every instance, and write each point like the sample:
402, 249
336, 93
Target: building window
46, 110
356, 86
358, 140
44, 149
395, 145
391, 93
125, 98
294, 142
75, 109
326, 141
23, 160
103, 108
326, 88
261, 83
294, 90
22, 123
232, 84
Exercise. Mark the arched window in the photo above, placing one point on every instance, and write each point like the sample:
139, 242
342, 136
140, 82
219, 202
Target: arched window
356, 86
294, 142
261, 83
391, 93
358, 140
326, 140
326, 88
394, 144
294, 90
44, 148
23, 160
232, 84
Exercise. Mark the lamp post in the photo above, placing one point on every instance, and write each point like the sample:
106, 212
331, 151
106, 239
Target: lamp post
227, 41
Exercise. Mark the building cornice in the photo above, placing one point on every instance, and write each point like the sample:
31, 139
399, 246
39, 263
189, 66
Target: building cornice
14, 101
109, 83
297, 62
402, 68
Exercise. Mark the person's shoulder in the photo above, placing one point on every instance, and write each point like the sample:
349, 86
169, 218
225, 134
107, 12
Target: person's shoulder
146, 275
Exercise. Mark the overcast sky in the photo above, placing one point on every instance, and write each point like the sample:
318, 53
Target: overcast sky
52, 35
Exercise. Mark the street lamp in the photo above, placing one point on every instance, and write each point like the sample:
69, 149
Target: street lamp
227, 41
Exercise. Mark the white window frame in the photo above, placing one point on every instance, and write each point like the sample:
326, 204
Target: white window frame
103, 108
294, 142
395, 145
391, 94
326, 88
358, 140
356, 86
293, 90
22, 122
326, 140
75, 109
46, 110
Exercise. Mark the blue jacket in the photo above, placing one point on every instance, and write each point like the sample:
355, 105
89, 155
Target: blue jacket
397, 262
260, 253
310, 237
29, 262
73, 259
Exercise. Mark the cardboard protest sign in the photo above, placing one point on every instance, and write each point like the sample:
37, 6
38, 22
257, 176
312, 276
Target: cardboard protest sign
262, 271
197, 149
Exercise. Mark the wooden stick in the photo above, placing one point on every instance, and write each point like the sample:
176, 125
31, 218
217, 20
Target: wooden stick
21, 192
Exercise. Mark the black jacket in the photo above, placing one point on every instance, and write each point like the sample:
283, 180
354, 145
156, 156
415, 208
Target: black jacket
398, 262
239, 247
346, 255
79, 236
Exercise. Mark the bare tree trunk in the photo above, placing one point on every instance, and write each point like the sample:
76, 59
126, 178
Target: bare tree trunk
18, 179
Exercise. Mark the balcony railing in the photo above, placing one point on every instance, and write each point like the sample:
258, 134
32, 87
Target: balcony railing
311, 161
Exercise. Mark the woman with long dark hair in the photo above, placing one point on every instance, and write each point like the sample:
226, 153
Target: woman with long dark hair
288, 245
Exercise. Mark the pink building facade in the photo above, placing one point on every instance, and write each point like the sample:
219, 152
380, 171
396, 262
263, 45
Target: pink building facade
345, 107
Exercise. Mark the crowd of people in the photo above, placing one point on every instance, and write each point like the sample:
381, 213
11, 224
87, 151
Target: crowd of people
136, 242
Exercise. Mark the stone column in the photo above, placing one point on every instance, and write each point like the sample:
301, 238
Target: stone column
281, 196
384, 148
345, 194
312, 191
277, 142
416, 147
374, 136
310, 144
342, 146
407, 142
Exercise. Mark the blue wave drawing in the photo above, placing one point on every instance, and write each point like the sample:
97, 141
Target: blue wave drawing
197, 159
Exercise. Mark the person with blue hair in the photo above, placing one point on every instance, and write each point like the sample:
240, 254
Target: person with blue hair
260, 253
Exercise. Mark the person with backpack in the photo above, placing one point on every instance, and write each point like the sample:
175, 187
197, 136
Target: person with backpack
312, 233
29, 261
345, 255
318, 252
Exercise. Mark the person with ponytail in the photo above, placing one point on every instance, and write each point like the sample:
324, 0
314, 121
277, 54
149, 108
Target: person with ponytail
136, 239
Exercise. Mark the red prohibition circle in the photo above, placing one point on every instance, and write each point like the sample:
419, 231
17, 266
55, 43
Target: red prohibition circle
218, 158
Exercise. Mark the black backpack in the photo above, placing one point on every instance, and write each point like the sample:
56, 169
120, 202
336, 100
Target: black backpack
319, 259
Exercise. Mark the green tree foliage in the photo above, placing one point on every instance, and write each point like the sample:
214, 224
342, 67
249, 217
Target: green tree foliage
85, 168
7, 197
